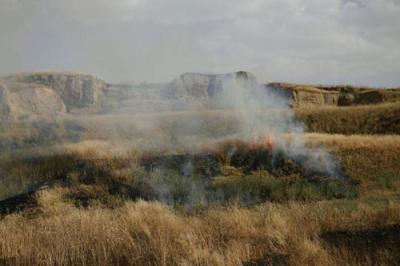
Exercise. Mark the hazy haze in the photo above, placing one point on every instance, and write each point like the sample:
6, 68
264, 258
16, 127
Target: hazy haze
314, 41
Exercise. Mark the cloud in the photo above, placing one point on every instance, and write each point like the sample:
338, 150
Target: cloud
316, 41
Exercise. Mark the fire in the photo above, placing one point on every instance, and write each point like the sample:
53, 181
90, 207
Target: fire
265, 141
269, 142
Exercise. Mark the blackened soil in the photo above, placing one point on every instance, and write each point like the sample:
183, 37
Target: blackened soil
18, 203
186, 164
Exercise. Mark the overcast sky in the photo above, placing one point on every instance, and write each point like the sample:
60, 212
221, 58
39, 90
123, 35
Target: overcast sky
312, 41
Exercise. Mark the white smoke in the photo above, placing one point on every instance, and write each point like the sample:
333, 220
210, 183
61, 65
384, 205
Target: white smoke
265, 113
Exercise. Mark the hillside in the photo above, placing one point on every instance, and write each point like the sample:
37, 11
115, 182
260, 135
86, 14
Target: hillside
28, 97
47, 108
341, 95
46, 96
359, 119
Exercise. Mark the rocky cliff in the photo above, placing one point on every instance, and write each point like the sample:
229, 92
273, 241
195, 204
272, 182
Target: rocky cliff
204, 87
30, 101
301, 95
26, 97
29, 96
76, 90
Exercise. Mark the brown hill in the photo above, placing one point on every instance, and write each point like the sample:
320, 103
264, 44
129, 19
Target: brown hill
359, 119
341, 95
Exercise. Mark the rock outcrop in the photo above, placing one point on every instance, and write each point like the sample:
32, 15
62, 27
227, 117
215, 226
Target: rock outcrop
76, 90
302, 96
205, 87
25, 97
28, 97
31, 101
4, 108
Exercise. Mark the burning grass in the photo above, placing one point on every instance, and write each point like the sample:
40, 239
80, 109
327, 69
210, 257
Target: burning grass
371, 162
225, 205
257, 172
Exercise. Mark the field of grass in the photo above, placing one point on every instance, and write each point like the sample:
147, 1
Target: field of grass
371, 160
150, 233
77, 196
181, 127
363, 119
90, 214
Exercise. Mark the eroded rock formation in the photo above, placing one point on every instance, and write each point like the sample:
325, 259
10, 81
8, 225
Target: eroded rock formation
204, 87
29, 96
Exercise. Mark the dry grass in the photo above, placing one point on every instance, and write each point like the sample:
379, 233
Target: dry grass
171, 130
339, 141
149, 233
371, 160
365, 119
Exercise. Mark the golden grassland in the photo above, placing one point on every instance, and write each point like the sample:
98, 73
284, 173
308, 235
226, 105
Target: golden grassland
381, 118
173, 129
363, 119
372, 160
150, 233
113, 231
297, 225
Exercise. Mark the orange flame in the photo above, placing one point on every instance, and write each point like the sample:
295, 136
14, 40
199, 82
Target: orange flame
266, 141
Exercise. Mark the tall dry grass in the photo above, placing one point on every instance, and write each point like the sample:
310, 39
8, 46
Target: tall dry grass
372, 160
149, 233
364, 119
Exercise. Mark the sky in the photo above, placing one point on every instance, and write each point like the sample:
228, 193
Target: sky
309, 41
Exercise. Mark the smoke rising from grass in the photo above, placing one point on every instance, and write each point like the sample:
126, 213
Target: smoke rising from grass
183, 126
258, 116
262, 115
